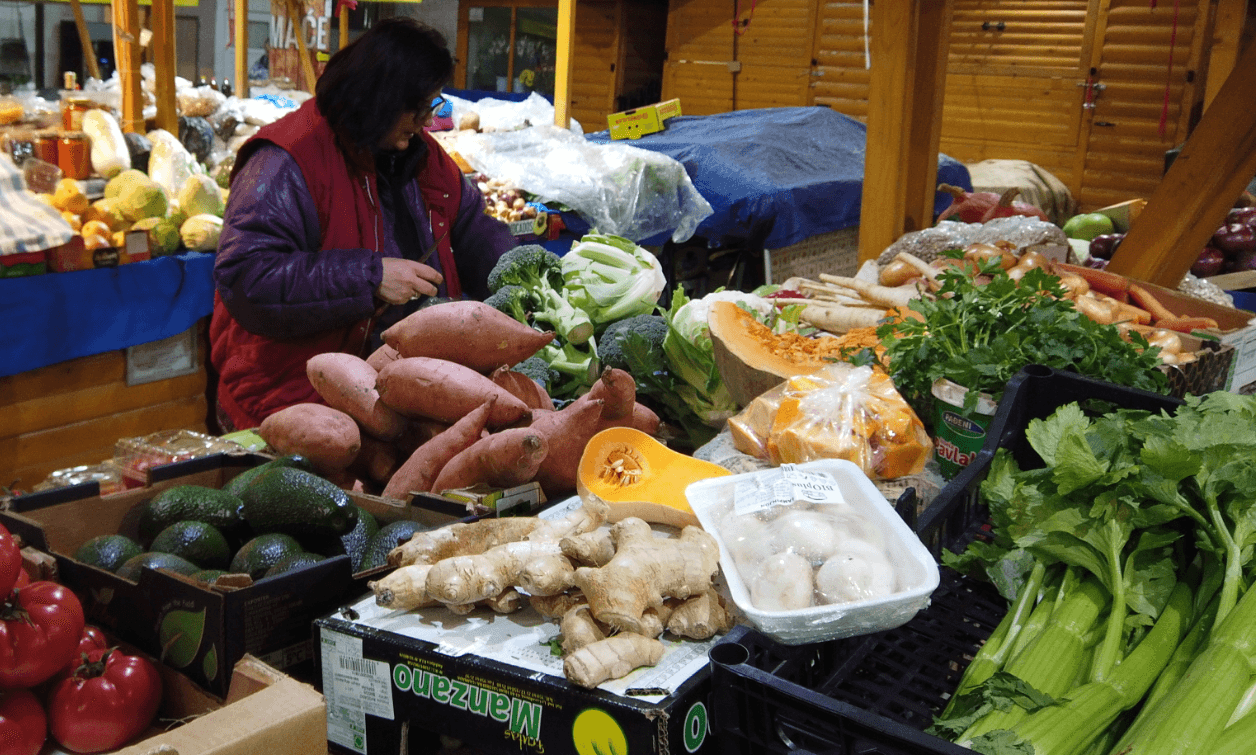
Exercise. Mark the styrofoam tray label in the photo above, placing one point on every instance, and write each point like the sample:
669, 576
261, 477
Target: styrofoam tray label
353, 686
785, 486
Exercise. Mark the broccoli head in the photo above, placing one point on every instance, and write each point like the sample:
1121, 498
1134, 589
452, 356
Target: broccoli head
513, 300
610, 347
539, 370
540, 272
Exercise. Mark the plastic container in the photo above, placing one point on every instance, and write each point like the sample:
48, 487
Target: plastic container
917, 574
135, 456
877, 693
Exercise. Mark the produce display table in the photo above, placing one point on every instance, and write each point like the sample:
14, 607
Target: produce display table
774, 176
64, 389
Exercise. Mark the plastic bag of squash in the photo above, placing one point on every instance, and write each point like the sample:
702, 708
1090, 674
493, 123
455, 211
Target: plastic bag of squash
838, 412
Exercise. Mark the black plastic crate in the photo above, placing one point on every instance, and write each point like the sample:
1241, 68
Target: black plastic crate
877, 693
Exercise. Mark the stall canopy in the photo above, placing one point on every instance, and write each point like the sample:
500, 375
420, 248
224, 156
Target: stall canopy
776, 176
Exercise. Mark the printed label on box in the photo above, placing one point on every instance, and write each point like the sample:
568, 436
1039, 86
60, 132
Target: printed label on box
353, 686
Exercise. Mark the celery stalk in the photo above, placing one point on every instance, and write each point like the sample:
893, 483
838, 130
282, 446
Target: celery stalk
1192, 716
1186, 651
1239, 738
1090, 709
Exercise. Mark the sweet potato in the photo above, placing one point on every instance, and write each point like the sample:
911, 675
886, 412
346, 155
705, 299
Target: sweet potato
328, 437
376, 461
444, 391
501, 460
381, 357
522, 387
347, 383
567, 431
618, 392
418, 432
419, 471
470, 333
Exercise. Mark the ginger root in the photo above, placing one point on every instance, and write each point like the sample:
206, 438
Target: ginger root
701, 617
611, 658
579, 629
589, 548
645, 570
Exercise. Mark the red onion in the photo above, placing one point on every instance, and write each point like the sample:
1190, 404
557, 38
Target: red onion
1209, 262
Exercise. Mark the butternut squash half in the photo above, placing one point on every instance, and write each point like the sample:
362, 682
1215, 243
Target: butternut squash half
638, 476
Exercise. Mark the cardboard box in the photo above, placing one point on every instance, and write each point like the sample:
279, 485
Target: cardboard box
270, 619
633, 124
493, 682
21, 265
265, 711
75, 256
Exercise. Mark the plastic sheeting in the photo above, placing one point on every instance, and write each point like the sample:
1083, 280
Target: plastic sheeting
45, 319
775, 176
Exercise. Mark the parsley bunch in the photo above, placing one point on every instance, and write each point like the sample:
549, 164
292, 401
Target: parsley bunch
979, 336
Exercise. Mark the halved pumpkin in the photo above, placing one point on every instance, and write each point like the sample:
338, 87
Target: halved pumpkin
638, 476
751, 358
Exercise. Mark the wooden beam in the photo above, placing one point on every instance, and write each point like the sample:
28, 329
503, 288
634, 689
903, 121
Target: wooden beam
1227, 35
344, 26
127, 56
85, 40
562, 62
164, 57
241, 48
910, 39
296, 11
1200, 187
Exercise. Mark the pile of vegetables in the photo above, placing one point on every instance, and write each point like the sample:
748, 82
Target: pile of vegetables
58, 675
1127, 561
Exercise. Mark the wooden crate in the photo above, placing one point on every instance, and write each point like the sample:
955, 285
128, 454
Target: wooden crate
73, 412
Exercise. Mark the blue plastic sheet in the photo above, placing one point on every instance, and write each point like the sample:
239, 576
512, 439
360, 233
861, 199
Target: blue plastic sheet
775, 176
51, 318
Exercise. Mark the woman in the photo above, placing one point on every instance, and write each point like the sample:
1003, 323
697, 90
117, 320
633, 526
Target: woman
343, 215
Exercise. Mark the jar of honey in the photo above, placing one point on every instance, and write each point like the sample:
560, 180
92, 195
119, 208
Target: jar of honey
74, 155
72, 109
46, 146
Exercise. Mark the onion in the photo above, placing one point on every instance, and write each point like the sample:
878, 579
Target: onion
983, 253
897, 273
1105, 245
1030, 260
1242, 262
1075, 284
1209, 262
1244, 215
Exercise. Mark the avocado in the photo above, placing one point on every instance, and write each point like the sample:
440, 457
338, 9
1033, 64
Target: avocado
198, 542
237, 484
132, 568
108, 552
354, 542
208, 575
189, 502
297, 503
262, 552
388, 537
293, 562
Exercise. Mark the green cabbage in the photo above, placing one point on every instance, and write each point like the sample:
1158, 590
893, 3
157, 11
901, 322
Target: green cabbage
200, 195
163, 235
143, 200
200, 232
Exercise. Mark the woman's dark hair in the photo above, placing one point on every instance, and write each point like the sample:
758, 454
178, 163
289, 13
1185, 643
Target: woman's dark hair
393, 68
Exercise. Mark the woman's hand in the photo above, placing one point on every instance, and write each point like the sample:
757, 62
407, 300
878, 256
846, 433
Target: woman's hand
406, 279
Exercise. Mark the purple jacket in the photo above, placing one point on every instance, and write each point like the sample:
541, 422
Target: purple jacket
274, 281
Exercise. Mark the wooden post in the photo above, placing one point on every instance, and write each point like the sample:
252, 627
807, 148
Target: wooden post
910, 40
296, 11
344, 26
1200, 187
562, 62
164, 57
1227, 37
85, 40
241, 48
127, 55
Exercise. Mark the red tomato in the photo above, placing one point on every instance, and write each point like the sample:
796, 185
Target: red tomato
23, 725
92, 639
106, 703
23, 579
10, 561
40, 626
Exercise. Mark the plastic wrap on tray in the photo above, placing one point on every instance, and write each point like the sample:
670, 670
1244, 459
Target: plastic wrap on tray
838, 412
134, 456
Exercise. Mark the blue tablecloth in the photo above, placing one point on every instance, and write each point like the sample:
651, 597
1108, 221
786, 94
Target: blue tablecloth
775, 176
45, 319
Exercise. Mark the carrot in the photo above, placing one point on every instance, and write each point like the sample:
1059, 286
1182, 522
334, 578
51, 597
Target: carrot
470, 333
1116, 286
1145, 299
522, 387
501, 460
382, 356
567, 432
347, 383
328, 437
1187, 324
419, 471
444, 391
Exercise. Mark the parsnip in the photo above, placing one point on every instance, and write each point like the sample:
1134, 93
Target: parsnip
899, 296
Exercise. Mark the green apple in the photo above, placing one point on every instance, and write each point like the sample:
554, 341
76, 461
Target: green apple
1088, 225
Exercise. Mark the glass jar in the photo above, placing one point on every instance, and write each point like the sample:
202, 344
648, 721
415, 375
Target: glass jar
72, 109
74, 155
46, 146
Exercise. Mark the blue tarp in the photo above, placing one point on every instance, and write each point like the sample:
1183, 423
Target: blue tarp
775, 176
45, 319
